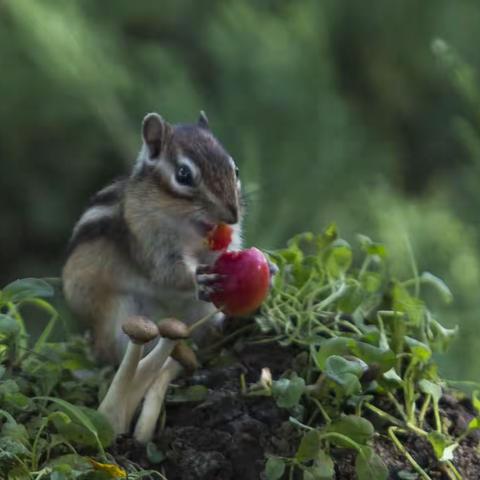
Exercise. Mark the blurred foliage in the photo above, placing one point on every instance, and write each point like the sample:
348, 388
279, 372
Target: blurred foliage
334, 111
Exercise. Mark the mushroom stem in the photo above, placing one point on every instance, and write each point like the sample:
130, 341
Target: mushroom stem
113, 405
147, 370
154, 399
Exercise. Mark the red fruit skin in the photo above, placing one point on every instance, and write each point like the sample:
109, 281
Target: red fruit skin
246, 282
219, 237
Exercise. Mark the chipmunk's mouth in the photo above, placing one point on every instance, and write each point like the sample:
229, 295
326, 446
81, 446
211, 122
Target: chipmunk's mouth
203, 227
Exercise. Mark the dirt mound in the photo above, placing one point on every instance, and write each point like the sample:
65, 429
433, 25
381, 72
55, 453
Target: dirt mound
227, 435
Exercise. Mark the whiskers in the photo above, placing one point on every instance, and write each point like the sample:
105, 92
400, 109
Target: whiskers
249, 196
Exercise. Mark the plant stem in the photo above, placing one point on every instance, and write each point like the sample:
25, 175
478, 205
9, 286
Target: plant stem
228, 338
325, 415
413, 263
423, 410
398, 406
454, 470
400, 446
346, 440
331, 298
384, 415
409, 392
243, 384
436, 414
35, 445
290, 474
203, 320
417, 430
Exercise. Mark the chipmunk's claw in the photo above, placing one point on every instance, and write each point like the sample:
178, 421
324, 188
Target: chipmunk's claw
273, 271
201, 269
204, 294
207, 282
273, 268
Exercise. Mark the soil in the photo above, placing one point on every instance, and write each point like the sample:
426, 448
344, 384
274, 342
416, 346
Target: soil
227, 435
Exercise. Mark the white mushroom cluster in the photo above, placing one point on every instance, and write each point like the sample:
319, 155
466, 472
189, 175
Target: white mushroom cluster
146, 378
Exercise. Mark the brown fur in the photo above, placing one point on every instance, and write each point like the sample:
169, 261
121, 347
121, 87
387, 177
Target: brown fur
135, 250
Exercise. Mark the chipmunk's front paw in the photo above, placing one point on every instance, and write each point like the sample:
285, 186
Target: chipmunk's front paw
206, 282
273, 271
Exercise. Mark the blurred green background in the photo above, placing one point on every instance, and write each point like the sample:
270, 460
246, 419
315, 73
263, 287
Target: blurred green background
366, 115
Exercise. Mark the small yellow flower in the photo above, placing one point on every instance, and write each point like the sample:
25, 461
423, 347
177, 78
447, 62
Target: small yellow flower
111, 469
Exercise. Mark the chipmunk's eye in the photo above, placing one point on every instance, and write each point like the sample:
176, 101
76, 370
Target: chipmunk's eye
184, 176
237, 172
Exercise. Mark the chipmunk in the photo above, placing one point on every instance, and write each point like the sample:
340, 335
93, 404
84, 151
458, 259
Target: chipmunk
137, 247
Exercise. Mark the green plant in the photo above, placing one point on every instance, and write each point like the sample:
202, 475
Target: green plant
48, 396
366, 341
364, 368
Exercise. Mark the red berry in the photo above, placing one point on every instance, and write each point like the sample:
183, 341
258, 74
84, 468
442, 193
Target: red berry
219, 237
245, 283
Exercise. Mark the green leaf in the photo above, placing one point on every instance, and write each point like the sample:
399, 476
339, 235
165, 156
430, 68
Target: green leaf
474, 424
332, 346
442, 446
309, 448
370, 247
384, 358
354, 427
371, 281
287, 391
77, 431
345, 373
404, 302
8, 387
17, 400
420, 351
91, 420
369, 466
430, 388
323, 468
392, 376
476, 401
26, 289
8, 326
338, 258
13, 447
74, 461
19, 473
15, 431
326, 238
274, 468
342, 346
438, 284
439, 336
305, 242
193, 393
406, 475
154, 455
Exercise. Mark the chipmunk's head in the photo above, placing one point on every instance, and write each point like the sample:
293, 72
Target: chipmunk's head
195, 176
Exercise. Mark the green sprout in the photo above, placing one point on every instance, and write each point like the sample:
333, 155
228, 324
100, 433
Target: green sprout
369, 340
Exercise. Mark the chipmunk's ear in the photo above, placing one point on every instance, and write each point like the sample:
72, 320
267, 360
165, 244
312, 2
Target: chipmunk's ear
154, 131
202, 121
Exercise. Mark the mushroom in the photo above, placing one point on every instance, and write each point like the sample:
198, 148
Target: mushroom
170, 330
185, 356
182, 358
140, 330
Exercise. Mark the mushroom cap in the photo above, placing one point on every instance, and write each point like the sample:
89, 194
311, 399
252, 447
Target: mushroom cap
140, 329
185, 356
173, 329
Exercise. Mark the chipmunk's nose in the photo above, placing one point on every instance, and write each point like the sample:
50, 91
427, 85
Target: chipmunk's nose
232, 214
